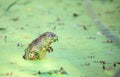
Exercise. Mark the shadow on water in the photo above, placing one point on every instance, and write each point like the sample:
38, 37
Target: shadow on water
117, 74
104, 29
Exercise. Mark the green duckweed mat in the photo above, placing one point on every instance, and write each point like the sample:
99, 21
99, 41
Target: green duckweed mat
88, 31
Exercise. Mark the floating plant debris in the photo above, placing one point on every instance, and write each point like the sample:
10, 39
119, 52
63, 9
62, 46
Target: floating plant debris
108, 41
15, 19
91, 56
103, 67
99, 14
79, 3
13, 62
2, 28
22, 28
11, 5
5, 38
85, 28
87, 64
7, 74
109, 12
20, 45
114, 64
111, 0
91, 37
75, 15
61, 71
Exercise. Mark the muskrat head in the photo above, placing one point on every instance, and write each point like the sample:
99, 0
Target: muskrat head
51, 36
